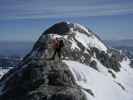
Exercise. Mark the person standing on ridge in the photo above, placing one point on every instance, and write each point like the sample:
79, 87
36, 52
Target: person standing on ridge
57, 46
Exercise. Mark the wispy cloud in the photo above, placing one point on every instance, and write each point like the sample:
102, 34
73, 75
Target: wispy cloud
31, 10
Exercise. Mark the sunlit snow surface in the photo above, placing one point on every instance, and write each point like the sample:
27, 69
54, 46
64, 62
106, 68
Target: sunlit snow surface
91, 41
102, 85
3, 71
87, 38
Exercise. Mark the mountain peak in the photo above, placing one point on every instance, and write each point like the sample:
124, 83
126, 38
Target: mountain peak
78, 32
84, 58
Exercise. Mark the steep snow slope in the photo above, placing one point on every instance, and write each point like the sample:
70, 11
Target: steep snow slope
104, 87
101, 82
86, 37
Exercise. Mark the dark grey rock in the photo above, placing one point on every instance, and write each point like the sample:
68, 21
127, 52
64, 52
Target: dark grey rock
93, 64
42, 79
131, 64
109, 60
119, 84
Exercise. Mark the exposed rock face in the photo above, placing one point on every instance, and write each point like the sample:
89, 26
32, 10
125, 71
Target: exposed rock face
41, 80
110, 59
37, 78
59, 28
131, 64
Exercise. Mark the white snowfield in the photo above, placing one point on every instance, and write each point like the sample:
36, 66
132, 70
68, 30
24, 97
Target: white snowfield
88, 39
101, 83
91, 41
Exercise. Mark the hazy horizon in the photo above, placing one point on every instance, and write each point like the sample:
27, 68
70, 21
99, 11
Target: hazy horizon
25, 20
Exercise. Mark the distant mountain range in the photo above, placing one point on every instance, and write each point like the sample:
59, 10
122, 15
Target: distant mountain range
14, 48
120, 43
22, 48
125, 45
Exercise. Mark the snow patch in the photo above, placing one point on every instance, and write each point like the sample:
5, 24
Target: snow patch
82, 27
91, 41
74, 45
3, 71
103, 86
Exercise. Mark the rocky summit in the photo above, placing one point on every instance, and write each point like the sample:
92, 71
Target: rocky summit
37, 77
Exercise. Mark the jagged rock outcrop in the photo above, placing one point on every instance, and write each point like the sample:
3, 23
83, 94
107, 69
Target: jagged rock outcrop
40, 80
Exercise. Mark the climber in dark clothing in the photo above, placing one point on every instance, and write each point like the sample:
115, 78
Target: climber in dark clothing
57, 46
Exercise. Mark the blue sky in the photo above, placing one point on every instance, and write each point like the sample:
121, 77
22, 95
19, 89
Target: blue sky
25, 20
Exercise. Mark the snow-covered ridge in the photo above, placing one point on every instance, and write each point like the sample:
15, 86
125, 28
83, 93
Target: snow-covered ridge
78, 33
86, 37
